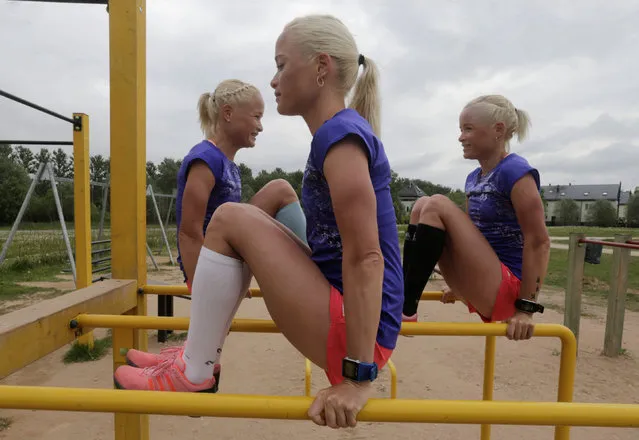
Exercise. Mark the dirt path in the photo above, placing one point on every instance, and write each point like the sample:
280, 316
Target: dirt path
435, 368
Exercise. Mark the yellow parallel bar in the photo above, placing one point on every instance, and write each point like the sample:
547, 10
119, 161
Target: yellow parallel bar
296, 407
30, 333
393, 370
268, 326
127, 61
307, 377
151, 289
489, 379
82, 202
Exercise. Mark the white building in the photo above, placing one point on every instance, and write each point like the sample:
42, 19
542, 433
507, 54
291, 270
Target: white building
584, 196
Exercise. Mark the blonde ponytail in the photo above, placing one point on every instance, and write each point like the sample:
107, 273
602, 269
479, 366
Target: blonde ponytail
497, 108
523, 122
365, 98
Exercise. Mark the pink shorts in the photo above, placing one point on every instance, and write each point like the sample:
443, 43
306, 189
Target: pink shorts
336, 345
504, 306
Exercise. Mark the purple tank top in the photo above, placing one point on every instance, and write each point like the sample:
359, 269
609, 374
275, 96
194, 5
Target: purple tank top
492, 212
323, 236
228, 187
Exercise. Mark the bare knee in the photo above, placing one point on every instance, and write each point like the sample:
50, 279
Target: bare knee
434, 209
225, 216
281, 191
417, 209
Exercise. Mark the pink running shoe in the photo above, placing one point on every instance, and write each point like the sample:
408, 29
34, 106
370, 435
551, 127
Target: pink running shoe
412, 318
166, 376
142, 359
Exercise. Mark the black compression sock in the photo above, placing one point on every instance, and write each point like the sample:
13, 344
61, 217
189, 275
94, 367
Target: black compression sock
409, 245
426, 248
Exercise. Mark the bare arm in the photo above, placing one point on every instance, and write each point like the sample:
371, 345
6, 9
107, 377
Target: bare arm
530, 215
199, 184
355, 207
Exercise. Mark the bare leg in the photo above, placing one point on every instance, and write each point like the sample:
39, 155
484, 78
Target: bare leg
296, 293
468, 264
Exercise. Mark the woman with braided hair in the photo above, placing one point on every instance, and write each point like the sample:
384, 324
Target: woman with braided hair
340, 307
495, 257
230, 118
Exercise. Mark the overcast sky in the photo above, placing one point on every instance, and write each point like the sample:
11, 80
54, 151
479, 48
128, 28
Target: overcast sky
571, 64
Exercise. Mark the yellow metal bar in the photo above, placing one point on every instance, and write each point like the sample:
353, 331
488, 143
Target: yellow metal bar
296, 407
82, 202
489, 379
152, 289
30, 333
393, 372
307, 377
127, 51
82, 209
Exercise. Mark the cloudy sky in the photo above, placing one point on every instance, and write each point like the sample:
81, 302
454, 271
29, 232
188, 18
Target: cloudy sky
572, 65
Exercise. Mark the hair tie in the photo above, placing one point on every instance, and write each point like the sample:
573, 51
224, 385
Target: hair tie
361, 61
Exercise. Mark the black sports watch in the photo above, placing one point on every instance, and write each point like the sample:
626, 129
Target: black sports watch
358, 371
525, 305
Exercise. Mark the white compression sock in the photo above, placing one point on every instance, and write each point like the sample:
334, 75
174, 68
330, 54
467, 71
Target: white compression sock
216, 294
247, 275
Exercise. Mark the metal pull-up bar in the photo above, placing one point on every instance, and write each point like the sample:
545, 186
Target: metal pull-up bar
296, 408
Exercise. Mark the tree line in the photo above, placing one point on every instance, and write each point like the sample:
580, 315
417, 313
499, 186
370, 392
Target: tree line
17, 162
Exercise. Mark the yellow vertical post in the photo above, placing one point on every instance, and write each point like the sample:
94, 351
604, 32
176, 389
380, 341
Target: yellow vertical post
489, 379
127, 47
82, 208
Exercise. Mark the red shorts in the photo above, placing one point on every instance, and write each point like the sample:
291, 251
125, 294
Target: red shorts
336, 345
504, 306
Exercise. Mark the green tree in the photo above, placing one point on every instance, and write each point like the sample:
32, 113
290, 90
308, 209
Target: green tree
14, 184
26, 158
602, 213
151, 172
633, 210
167, 175
62, 165
568, 212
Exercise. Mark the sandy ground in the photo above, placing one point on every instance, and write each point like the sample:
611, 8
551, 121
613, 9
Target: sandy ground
429, 368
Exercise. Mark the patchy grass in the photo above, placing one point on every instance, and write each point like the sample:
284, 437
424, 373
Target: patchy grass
591, 231
82, 353
177, 336
43, 267
596, 277
5, 422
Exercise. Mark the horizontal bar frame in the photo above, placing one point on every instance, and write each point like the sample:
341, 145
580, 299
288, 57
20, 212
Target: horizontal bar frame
296, 408
182, 290
610, 243
36, 142
36, 106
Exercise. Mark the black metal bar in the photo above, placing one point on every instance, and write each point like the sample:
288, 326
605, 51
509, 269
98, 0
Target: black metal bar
169, 310
162, 306
100, 251
100, 242
101, 260
89, 2
35, 106
37, 142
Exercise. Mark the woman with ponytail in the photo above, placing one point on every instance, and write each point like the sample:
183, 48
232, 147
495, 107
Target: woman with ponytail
341, 306
494, 257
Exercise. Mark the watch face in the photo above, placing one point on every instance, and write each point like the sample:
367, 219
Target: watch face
350, 369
